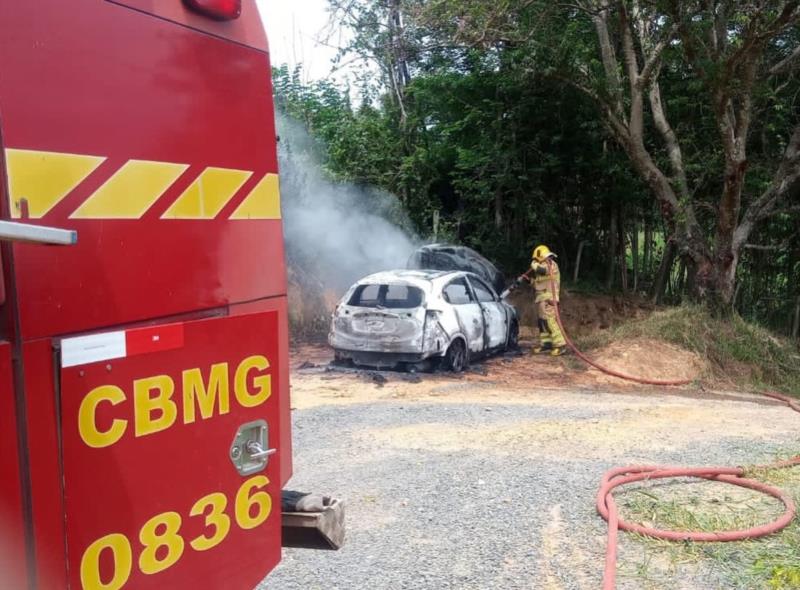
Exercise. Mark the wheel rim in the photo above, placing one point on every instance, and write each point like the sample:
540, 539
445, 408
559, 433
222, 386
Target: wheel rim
458, 356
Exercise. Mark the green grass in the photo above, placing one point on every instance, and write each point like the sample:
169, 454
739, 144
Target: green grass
747, 354
771, 562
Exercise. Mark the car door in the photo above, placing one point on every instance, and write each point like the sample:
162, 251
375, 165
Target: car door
458, 294
495, 320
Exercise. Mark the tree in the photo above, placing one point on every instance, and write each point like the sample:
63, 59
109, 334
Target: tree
737, 57
380, 39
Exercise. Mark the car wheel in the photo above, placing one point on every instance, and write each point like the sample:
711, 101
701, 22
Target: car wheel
456, 358
341, 360
513, 337
418, 367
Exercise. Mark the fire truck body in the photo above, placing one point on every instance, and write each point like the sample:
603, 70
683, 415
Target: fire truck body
144, 369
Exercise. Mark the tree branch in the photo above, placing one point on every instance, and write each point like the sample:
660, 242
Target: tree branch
764, 247
670, 139
609, 59
636, 118
787, 64
654, 58
781, 211
785, 181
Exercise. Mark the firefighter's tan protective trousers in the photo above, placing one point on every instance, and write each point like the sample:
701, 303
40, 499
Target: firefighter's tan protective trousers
548, 287
552, 335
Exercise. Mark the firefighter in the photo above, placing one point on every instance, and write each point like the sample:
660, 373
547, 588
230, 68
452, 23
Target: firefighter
547, 279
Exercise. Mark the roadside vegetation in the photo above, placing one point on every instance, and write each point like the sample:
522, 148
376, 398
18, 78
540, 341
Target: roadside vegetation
770, 563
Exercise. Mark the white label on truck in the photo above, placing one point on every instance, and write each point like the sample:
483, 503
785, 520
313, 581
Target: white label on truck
83, 350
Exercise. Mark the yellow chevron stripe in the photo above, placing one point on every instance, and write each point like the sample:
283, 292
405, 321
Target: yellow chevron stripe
208, 194
43, 179
131, 191
263, 202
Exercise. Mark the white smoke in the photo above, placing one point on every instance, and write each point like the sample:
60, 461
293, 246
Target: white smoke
339, 232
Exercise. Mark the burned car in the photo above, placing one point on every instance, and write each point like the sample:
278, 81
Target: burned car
420, 318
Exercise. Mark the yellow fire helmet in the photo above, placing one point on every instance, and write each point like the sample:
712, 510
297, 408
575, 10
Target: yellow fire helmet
542, 253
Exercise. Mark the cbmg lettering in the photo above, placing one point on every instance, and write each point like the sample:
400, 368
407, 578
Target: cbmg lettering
158, 404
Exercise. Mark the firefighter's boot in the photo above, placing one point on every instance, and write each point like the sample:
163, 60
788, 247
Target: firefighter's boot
545, 340
558, 350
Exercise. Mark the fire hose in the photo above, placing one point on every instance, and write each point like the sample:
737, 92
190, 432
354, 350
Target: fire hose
619, 476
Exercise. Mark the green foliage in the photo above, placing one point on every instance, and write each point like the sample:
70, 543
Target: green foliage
486, 131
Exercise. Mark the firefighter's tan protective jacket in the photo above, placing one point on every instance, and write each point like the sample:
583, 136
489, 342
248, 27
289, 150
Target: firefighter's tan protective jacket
541, 280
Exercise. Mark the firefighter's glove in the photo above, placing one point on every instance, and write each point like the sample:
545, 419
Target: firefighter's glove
539, 269
303, 502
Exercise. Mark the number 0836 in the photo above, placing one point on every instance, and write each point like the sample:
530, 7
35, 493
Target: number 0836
162, 544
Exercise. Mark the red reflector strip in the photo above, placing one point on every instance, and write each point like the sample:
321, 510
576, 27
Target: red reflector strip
156, 339
217, 9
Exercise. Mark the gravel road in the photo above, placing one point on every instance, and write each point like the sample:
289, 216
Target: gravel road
469, 484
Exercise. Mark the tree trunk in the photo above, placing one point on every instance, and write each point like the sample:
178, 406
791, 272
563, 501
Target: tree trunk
498, 208
396, 62
736, 296
662, 276
680, 280
714, 280
796, 322
691, 277
623, 251
635, 253
575, 272
611, 251
648, 247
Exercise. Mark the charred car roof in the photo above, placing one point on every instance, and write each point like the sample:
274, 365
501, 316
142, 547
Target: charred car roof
445, 257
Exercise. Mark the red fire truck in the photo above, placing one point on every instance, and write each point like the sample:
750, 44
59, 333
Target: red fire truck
144, 397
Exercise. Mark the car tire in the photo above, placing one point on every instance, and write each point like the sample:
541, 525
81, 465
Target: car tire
513, 337
418, 367
341, 360
456, 358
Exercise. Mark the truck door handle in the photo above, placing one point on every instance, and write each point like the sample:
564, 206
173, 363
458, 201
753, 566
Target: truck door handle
256, 451
249, 451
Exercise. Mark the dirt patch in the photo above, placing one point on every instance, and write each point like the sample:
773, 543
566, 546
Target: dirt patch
307, 353
518, 373
582, 313
645, 358
649, 359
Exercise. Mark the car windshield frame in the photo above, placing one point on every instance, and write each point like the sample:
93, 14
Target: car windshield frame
415, 297
476, 282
